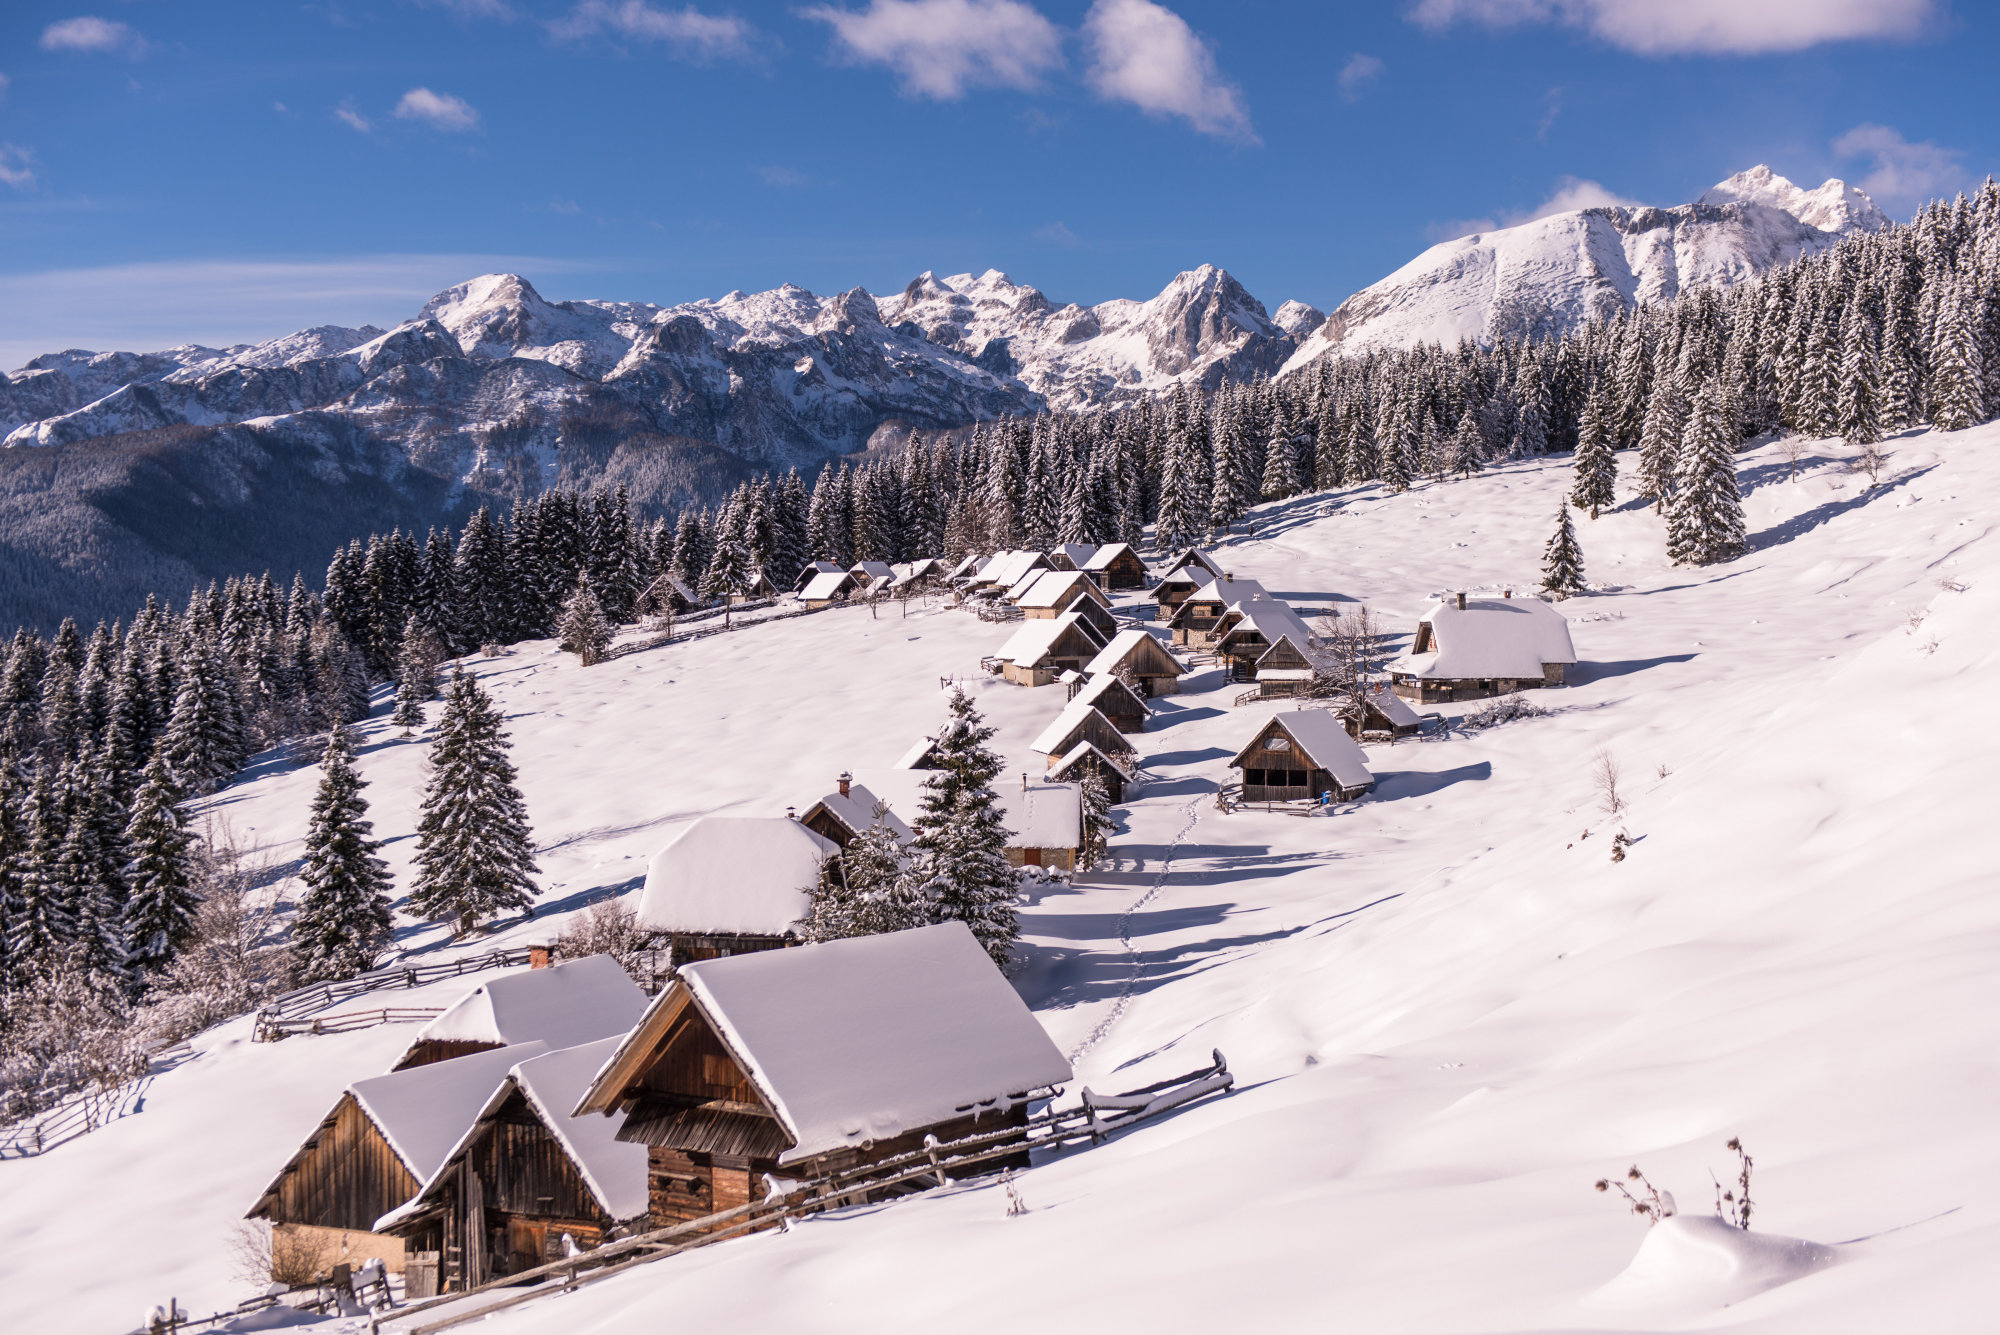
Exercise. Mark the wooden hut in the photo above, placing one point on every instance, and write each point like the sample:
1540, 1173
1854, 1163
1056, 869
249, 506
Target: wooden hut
849, 811
1057, 591
1125, 707
827, 588
727, 885
1302, 756
1194, 621
573, 1002
921, 755
872, 576
666, 594
1283, 670
760, 587
382, 1140
1118, 776
817, 1059
812, 571
1173, 590
1040, 651
1008, 569
1116, 566
1081, 721
1246, 631
1472, 649
526, 1177
1071, 555
1140, 655
1381, 710
1044, 820
912, 577
1196, 560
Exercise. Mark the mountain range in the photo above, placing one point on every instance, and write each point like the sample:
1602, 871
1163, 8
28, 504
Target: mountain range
490, 390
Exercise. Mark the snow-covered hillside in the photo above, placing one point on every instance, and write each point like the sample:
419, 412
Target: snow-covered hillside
1448, 1011
1555, 273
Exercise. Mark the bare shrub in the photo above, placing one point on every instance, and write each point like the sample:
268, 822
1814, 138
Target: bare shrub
1653, 1206
1792, 449
604, 927
1350, 654
65, 1031
233, 960
1869, 460
1733, 1203
261, 1255
1505, 709
1604, 778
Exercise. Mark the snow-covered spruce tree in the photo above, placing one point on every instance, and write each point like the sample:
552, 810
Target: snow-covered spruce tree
204, 737
161, 900
88, 871
1957, 399
961, 842
1467, 446
1281, 473
416, 676
1097, 823
729, 567
1595, 487
1705, 517
474, 855
1860, 375
1659, 439
585, 632
874, 887
343, 917
1562, 559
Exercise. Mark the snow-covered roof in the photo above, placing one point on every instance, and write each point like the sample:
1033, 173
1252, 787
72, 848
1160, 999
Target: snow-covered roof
1198, 558
424, 1110
1057, 588
573, 1002
1187, 577
914, 757
1076, 553
971, 565
1228, 591
1392, 707
1323, 740
827, 584
1102, 684
864, 1039
1040, 813
1102, 558
1056, 738
1121, 648
1284, 674
1491, 637
856, 809
752, 875
906, 572
871, 572
1031, 642
1019, 588
552, 1083
1022, 812
1274, 620
1007, 568
1083, 751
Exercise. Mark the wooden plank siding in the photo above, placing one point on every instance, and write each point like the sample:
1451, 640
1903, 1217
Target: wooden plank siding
429, 1050
336, 1187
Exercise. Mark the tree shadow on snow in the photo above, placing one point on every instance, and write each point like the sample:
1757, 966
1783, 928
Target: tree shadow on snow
1585, 673
1418, 783
1188, 757
1825, 513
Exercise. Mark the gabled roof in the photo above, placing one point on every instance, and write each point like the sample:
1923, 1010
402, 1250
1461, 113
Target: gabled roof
1103, 684
1007, 568
874, 572
1198, 558
1102, 558
859, 1040
613, 1170
424, 1110
1019, 588
1187, 577
1284, 646
1228, 591
828, 584
1060, 735
856, 811
1033, 640
1322, 740
752, 875
1058, 588
1127, 643
574, 1002
1392, 706
919, 751
1040, 813
1072, 762
1491, 637
1076, 553
969, 565
1023, 805
807, 572
1274, 621
907, 572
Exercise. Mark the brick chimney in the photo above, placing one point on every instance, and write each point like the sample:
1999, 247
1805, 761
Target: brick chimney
846, 782
1506, 593
538, 957
1461, 600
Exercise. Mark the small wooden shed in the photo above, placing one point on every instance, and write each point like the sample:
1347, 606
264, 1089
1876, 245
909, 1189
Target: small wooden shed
1057, 591
812, 571
849, 811
1472, 649
1118, 702
1194, 621
1382, 710
1118, 776
1283, 670
1071, 555
872, 575
827, 588
383, 1138
1139, 654
1248, 629
525, 1176
1081, 721
1040, 651
727, 885
570, 1003
760, 587
1302, 756
1116, 566
818, 1059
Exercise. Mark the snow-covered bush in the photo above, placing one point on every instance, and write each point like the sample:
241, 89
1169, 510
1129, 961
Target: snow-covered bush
1505, 709
63, 1032
231, 962
604, 927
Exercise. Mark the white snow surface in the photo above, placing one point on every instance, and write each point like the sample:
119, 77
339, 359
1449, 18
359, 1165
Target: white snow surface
422, 1112
751, 874
867, 1038
1447, 1010
563, 1005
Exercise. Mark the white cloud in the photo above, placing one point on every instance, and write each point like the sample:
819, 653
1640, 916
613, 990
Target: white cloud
1147, 55
1714, 27
694, 34
1056, 234
140, 307
1903, 174
476, 9
1357, 74
16, 166
353, 119
785, 178
440, 111
92, 34
1570, 194
940, 48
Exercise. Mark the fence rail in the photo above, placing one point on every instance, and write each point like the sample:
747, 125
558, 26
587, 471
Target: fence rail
273, 1030
65, 1122
306, 1000
1093, 1119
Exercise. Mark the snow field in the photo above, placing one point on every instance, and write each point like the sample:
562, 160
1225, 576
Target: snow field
1448, 1012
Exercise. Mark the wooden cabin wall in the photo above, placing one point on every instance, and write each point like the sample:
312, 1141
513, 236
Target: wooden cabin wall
429, 1050
347, 1179
525, 1170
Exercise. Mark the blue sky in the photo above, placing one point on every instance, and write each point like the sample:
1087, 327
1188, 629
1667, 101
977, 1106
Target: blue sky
229, 171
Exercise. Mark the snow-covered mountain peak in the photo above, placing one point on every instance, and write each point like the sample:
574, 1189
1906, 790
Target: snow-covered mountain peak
1298, 319
1835, 207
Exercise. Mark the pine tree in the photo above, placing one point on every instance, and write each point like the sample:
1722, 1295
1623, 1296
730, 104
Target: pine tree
89, 868
343, 917
474, 856
1281, 472
1466, 444
585, 632
161, 901
729, 568
1705, 519
1860, 375
1097, 823
1562, 559
416, 675
1956, 393
873, 888
1595, 487
204, 737
960, 837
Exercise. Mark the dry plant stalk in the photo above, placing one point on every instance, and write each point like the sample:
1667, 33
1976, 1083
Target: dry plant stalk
1604, 776
1015, 1205
1654, 1206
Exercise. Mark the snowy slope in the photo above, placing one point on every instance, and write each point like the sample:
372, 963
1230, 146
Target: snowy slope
1448, 1011
1555, 273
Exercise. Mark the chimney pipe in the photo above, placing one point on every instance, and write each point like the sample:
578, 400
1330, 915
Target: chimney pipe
538, 957
846, 781
791, 813
1506, 593
1024, 781
1461, 600
1229, 576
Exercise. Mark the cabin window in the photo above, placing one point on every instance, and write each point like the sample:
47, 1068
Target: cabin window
1277, 744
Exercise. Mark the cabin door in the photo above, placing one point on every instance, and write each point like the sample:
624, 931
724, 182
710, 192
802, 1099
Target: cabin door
527, 1239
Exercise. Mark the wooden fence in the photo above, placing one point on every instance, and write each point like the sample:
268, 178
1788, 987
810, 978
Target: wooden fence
274, 1016
270, 1031
76, 1117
